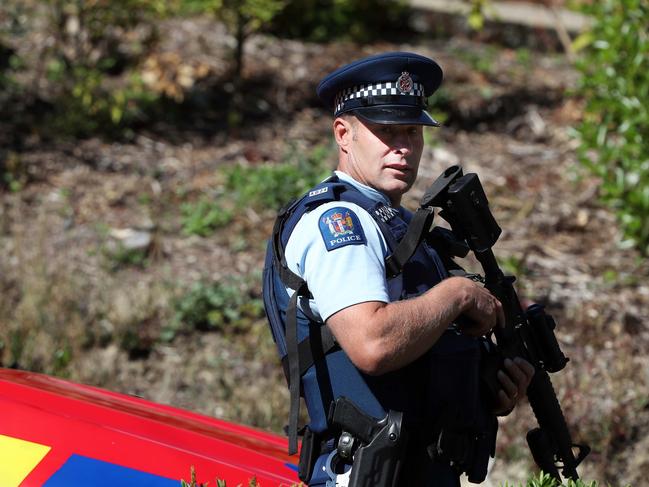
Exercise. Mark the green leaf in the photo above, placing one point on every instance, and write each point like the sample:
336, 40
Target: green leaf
582, 41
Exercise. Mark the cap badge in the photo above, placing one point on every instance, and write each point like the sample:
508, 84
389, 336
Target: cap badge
404, 82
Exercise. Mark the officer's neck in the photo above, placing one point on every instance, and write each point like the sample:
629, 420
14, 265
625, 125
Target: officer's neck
368, 190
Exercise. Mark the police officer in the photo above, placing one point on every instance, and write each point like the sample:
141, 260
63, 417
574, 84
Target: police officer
397, 340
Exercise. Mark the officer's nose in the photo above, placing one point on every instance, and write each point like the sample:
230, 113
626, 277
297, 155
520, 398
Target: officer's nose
402, 143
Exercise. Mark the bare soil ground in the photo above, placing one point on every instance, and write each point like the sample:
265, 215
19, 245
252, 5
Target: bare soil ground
69, 307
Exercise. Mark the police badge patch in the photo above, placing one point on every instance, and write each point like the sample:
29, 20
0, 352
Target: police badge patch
339, 227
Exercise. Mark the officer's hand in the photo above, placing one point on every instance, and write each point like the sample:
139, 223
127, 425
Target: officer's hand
514, 379
482, 311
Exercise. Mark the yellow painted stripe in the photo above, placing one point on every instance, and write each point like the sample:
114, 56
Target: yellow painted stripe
17, 459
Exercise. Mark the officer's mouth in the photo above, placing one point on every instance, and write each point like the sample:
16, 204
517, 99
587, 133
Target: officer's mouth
399, 168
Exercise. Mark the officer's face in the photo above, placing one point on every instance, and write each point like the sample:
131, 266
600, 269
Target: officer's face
384, 157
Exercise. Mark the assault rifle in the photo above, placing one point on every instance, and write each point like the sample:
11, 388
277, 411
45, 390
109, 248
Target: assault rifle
528, 334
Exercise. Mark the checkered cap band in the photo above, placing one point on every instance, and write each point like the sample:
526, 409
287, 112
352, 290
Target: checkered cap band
363, 91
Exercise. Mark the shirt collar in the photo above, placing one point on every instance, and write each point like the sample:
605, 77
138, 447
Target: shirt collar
370, 193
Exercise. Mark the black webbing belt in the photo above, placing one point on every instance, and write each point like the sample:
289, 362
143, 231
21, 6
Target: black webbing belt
292, 352
299, 358
307, 354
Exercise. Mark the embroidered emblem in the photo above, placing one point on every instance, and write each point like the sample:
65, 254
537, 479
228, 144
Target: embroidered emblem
339, 227
404, 82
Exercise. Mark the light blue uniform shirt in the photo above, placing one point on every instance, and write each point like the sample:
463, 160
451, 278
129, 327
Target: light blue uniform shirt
345, 275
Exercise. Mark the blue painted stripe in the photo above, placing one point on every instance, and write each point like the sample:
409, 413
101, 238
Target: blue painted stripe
80, 470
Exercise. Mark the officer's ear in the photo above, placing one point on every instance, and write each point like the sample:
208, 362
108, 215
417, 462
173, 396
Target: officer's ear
344, 131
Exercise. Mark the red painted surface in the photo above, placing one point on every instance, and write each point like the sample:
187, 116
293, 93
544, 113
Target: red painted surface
73, 418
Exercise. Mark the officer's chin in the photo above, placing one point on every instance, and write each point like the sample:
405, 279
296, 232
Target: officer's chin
402, 181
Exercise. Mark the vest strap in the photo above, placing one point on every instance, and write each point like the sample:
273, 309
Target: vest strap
299, 358
291, 279
293, 368
311, 350
418, 228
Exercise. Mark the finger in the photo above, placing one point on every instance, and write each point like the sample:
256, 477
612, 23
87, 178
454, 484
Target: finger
515, 372
518, 376
488, 320
508, 386
527, 368
491, 324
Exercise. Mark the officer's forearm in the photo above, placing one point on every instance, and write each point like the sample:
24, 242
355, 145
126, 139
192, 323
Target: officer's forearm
382, 337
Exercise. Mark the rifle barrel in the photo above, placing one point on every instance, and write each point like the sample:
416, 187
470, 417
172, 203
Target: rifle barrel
547, 410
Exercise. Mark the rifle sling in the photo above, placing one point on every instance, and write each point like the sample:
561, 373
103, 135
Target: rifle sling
418, 227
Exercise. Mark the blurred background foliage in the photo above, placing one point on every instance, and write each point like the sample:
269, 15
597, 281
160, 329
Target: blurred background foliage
95, 73
357, 20
242, 18
84, 76
615, 130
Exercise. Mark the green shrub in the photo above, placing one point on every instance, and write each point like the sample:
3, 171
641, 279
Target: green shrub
358, 20
615, 130
261, 187
273, 185
13, 172
118, 257
87, 105
204, 216
91, 63
544, 480
215, 306
14, 15
219, 482
86, 72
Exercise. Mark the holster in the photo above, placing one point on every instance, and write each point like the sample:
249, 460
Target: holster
378, 459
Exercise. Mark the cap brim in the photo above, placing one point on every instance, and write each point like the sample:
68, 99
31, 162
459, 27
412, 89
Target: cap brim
396, 115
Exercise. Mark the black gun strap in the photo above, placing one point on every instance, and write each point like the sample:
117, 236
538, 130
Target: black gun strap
417, 229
